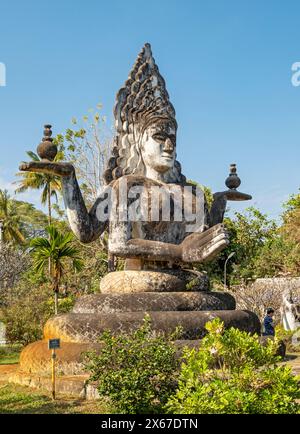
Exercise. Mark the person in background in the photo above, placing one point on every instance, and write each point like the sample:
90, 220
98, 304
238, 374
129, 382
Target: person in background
268, 326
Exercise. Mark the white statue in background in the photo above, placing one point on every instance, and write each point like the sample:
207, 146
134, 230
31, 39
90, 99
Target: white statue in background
290, 314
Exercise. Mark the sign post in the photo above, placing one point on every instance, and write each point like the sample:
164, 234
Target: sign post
53, 344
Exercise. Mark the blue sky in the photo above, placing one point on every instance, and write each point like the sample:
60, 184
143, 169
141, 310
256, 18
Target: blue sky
227, 65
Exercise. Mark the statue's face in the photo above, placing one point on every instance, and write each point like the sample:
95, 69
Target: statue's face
158, 147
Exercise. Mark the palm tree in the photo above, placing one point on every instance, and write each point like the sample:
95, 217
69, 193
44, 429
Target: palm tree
59, 249
49, 184
11, 226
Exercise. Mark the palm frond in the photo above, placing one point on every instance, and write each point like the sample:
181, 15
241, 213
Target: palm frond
40, 242
33, 155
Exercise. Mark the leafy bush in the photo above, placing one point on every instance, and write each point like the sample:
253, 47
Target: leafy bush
232, 373
137, 371
28, 308
26, 313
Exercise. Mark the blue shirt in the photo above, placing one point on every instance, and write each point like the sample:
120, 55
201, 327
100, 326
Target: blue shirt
268, 326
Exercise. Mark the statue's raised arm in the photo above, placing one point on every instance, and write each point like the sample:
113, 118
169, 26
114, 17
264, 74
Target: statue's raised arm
85, 225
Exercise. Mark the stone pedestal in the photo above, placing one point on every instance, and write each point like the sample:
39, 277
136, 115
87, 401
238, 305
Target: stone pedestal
127, 296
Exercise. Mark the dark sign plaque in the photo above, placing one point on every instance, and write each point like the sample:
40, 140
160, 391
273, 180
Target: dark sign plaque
53, 344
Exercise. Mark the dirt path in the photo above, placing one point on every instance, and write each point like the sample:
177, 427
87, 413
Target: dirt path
6, 370
293, 360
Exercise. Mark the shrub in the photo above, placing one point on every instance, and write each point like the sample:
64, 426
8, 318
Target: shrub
29, 307
136, 371
232, 373
26, 313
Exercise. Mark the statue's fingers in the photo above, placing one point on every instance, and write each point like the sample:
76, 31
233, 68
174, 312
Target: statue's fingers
206, 249
197, 240
214, 250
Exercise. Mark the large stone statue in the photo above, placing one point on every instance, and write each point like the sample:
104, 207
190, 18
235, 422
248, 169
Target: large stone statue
155, 219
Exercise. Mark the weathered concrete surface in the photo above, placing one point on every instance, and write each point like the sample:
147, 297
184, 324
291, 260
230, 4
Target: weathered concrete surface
164, 280
7, 370
75, 386
74, 327
139, 302
36, 358
132, 281
36, 362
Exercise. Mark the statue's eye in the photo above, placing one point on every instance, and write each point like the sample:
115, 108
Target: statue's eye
173, 138
159, 137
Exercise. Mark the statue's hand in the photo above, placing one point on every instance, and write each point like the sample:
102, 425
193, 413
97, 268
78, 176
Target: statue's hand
57, 169
203, 247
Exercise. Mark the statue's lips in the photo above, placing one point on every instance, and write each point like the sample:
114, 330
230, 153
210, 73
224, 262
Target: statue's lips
168, 156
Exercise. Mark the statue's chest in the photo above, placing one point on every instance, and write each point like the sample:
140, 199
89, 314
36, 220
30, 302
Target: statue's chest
164, 215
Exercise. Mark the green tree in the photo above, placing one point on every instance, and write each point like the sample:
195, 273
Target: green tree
249, 233
32, 221
49, 184
60, 250
290, 231
10, 219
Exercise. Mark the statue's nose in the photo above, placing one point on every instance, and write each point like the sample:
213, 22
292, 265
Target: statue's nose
168, 146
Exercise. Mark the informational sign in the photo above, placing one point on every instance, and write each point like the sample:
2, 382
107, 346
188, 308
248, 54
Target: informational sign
53, 344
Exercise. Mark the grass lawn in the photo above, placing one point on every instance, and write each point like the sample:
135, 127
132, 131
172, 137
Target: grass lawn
15, 399
9, 354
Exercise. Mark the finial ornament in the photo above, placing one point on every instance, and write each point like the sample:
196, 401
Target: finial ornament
47, 150
233, 181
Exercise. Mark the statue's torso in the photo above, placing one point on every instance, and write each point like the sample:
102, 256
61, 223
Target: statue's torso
159, 220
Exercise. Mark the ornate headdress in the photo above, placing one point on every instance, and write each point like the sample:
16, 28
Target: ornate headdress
142, 101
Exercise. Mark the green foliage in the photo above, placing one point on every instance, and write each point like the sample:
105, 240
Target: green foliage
32, 220
292, 204
232, 372
65, 304
26, 313
249, 233
58, 247
261, 249
28, 306
21, 220
206, 190
9, 354
137, 371
11, 219
49, 184
56, 250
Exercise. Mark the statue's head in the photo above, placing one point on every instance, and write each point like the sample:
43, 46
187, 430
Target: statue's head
158, 146
145, 124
